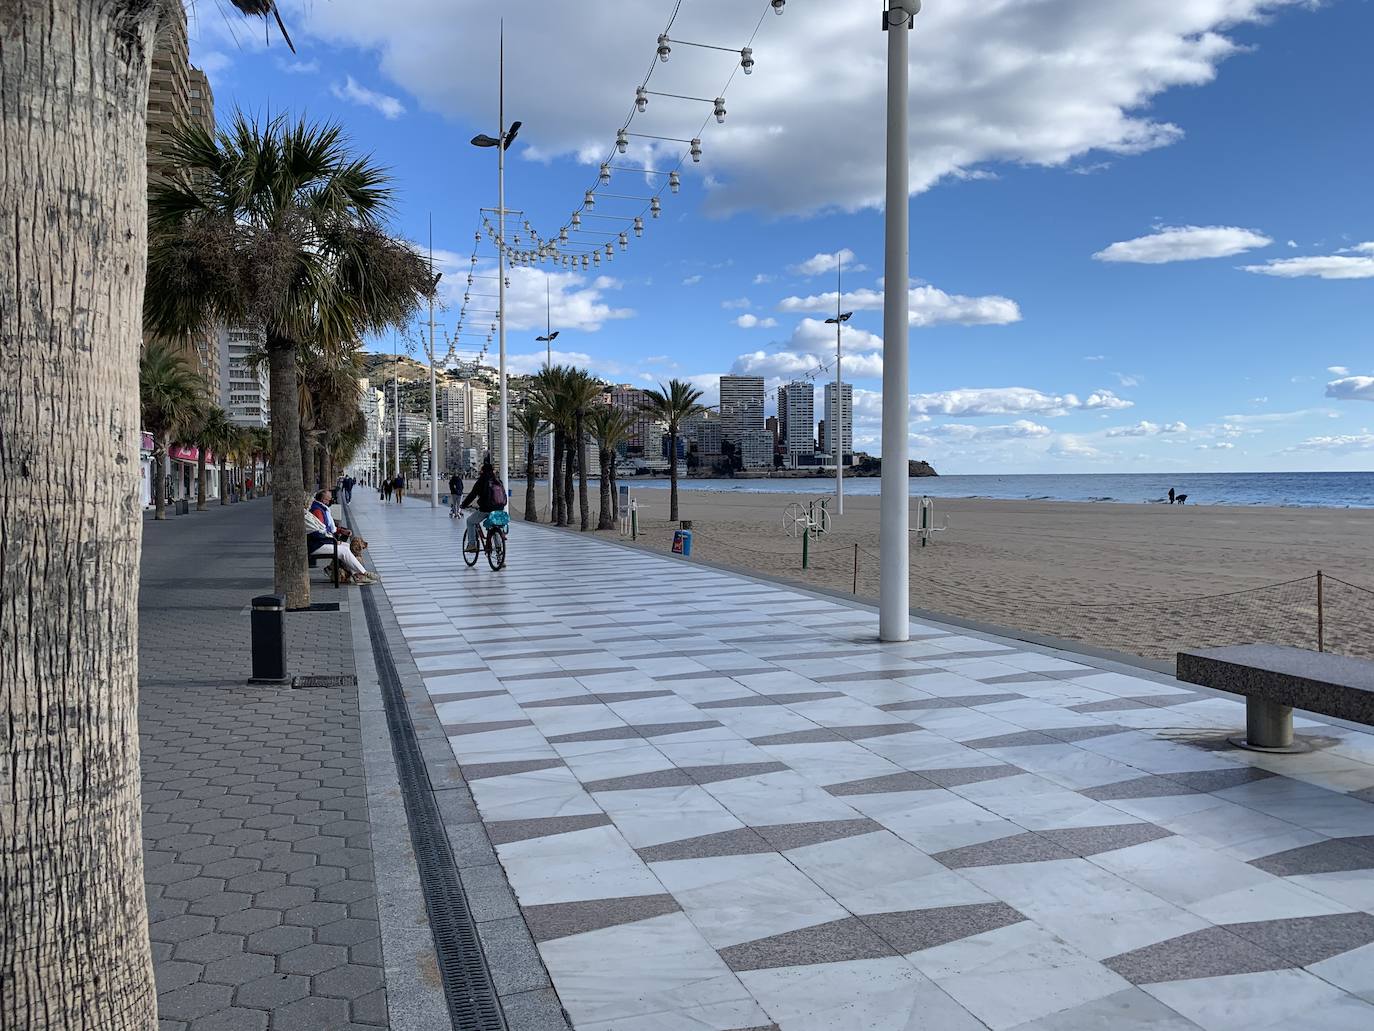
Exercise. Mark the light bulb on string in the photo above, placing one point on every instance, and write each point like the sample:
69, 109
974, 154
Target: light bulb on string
746, 60
663, 48
589, 201
624, 241
778, 5
622, 141
655, 207
641, 99
639, 225
696, 150
720, 109
605, 173
674, 181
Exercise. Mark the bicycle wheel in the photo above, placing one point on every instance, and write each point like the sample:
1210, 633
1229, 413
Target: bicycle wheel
496, 550
470, 557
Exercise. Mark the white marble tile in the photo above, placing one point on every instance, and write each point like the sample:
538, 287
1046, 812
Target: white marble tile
1276, 1000
1180, 871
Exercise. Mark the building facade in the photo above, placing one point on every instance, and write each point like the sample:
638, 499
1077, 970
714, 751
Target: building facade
756, 450
797, 421
845, 421
244, 387
463, 408
646, 431
741, 406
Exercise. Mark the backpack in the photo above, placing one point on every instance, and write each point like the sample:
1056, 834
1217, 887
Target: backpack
498, 494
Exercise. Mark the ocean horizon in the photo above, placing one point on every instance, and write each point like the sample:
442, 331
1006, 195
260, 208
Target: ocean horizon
1283, 490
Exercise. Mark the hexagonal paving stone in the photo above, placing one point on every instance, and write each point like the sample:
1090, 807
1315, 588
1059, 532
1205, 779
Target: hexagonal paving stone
310, 1015
371, 1009
222, 904
170, 873
273, 990
171, 975
317, 875
314, 914
279, 940
235, 1018
194, 888
288, 896
348, 932
313, 959
262, 880
349, 981
246, 966
209, 947
234, 867
195, 1000
180, 928
345, 891
247, 921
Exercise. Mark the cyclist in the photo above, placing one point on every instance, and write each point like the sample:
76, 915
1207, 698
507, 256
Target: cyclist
490, 495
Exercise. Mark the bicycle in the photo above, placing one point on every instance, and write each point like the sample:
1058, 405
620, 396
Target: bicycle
491, 537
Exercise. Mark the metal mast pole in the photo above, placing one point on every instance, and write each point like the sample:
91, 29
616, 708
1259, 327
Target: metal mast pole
548, 364
501, 250
396, 397
433, 393
836, 421
894, 613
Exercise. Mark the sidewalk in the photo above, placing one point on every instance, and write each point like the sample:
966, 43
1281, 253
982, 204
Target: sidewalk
258, 853
722, 804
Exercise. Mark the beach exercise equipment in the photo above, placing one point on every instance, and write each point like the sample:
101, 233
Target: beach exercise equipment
925, 520
813, 520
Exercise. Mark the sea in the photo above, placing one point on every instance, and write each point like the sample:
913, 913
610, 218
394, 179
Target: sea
1288, 490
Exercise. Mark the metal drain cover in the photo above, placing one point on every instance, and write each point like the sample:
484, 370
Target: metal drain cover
313, 681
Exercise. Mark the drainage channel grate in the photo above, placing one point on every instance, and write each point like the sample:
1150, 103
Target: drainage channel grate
468, 988
312, 681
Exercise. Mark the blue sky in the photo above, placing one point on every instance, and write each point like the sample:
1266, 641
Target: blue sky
1142, 234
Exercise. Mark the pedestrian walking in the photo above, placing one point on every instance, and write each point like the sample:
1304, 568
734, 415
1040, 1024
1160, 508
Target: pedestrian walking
455, 494
400, 488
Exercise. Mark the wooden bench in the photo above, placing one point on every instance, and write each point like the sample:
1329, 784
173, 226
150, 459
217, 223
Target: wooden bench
1275, 680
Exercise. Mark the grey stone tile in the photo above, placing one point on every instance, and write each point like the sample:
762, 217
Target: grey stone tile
838, 941
461, 729
1084, 733
561, 919
463, 696
566, 700
783, 836
311, 1014
957, 775
876, 674
511, 956
1018, 848
273, 991
481, 771
960, 702
740, 842
1162, 701
877, 785
1211, 952
558, 674
663, 729
502, 832
819, 735
872, 730
539, 1010
731, 771
667, 778
1021, 739
914, 930
604, 734
1139, 787
1309, 939
1220, 780
1014, 678
748, 701
1331, 856
1092, 841
612, 697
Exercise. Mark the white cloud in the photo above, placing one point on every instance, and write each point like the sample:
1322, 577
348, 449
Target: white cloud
814, 334
1221, 445
1094, 357
762, 278
1040, 84
930, 306
1349, 263
1021, 429
980, 401
820, 264
1071, 446
213, 62
1351, 388
573, 303
692, 280
748, 321
791, 364
1146, 428
1342, 444
354, 93
1338, 370
299, 67
1127, 380
1184, 243
737, 303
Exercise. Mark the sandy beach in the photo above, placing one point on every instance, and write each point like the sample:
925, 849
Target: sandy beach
1143, 579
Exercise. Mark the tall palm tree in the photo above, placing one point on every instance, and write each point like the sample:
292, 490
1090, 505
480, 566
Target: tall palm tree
261, 448
610, 427
414, 452
218, 434
551, 397
74, 949
583, 393
278, 225
673, 404
529, 420
171, 397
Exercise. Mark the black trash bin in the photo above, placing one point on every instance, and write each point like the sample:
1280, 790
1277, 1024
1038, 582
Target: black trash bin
269, 639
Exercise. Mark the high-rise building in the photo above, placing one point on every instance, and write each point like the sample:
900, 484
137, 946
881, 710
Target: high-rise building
845, 422
822, 439
797, 420
243, 391
647, 430
756, 450
179, 94
741, 406
373, 404
463, 409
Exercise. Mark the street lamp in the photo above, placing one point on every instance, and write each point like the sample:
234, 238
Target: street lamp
550, 335
894, 611
433, 392
502, 141
837, 412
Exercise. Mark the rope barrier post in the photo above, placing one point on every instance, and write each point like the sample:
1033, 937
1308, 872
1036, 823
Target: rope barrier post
1321, 616
856, 570
806, 540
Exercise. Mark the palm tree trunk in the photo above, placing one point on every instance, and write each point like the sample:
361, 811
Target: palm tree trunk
607, 520
223, 482
201, 478
672, 474
307, 462
569, 464
555, 479
160, 479
531, 507
583, 503
73, 924
290, 573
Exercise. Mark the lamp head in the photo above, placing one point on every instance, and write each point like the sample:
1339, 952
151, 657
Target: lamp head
483, 140
511, 133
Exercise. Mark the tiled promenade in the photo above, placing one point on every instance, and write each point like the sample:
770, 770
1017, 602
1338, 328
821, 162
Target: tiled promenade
723, 805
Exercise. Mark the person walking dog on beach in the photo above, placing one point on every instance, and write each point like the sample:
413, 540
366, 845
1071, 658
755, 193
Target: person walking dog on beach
1171, 495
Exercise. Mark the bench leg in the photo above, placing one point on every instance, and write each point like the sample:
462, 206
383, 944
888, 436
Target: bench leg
1268, 728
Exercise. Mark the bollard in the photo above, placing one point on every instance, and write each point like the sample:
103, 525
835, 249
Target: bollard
269, 639
634, 519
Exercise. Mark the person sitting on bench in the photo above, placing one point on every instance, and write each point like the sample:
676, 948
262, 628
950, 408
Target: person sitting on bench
321, 543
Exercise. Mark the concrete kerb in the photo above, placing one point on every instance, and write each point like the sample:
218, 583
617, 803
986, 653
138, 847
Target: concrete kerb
526, 994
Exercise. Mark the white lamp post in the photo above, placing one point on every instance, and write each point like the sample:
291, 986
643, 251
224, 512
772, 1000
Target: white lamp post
433, 393
547, 340
894, 612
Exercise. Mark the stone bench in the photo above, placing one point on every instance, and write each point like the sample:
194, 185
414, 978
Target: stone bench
1275, 680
